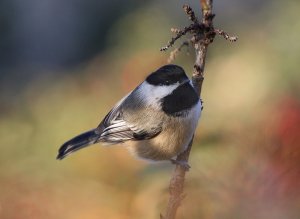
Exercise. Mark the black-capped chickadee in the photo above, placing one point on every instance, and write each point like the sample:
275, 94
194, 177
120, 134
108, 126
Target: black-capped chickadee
156, 121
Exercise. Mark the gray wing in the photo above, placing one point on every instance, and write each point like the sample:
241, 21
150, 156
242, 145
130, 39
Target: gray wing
118, 127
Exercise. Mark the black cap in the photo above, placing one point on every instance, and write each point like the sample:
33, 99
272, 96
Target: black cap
167, 75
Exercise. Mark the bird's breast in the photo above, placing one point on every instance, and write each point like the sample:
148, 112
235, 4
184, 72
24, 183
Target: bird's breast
174, 138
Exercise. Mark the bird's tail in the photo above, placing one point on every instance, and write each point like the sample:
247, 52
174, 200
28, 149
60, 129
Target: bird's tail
78, 142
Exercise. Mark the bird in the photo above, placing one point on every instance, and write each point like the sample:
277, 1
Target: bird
156, 121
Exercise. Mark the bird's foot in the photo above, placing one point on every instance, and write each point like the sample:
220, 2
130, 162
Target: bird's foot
183, 164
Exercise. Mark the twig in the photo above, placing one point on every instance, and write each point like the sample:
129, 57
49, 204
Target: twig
203, 33
226, 35
191, 14
179, 34
175, 52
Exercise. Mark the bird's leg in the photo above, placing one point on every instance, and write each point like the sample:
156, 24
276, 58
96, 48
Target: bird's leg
183, 164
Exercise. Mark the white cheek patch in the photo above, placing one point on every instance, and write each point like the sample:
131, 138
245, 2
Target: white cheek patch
153, 94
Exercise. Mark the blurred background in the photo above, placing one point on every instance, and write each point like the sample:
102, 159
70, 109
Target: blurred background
64, 64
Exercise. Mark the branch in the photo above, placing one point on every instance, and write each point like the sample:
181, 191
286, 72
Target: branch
203, 34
